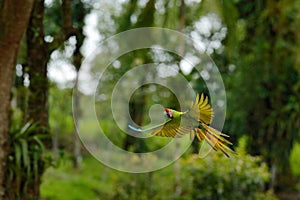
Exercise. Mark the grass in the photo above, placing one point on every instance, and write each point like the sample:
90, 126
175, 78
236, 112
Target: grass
95, 181
66, 183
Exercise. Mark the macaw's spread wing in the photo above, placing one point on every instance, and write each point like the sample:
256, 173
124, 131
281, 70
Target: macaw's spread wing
201, 110
171, 128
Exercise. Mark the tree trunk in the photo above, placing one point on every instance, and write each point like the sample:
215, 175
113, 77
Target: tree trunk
77, 61
13, 22
136, 109
38, 55
76, 140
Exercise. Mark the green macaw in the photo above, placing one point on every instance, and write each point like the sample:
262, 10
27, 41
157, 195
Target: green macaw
195, 121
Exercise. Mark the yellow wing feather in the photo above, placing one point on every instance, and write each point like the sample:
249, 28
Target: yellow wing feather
172, 129
201, 110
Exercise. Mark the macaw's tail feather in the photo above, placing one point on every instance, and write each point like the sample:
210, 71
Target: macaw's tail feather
215, 139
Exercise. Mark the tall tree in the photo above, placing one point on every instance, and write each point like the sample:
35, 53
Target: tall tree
13, 22
77, 23
38, 55
144, 19
266, 71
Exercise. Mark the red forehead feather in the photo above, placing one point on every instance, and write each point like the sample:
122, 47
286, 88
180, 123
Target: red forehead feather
167, 110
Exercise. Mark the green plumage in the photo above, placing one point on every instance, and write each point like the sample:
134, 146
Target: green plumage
194, 122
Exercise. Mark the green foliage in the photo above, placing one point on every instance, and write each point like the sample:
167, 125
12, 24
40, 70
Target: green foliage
217, 177
295, 160
26, 149
261, 88
135, 187
60, 115
259, 70
53, 18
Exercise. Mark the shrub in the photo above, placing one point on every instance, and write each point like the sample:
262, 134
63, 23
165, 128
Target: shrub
217, 177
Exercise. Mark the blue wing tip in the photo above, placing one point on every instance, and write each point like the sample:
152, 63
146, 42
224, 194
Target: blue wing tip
136, 129
133, 128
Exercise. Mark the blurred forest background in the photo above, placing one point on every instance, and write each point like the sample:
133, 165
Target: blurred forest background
255, 44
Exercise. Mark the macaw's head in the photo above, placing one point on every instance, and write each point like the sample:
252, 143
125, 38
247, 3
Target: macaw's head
169, 113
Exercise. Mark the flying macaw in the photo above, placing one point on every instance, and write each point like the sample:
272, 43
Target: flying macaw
195, 121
